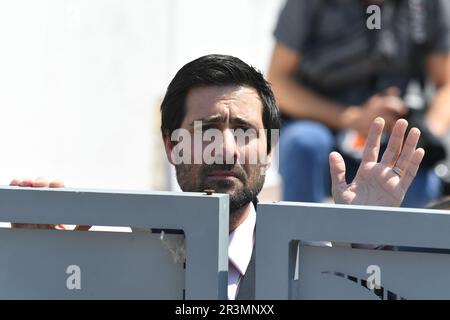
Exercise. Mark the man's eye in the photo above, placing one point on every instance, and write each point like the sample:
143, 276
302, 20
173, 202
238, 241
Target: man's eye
245, 134
200, 128
246, 129
207, 127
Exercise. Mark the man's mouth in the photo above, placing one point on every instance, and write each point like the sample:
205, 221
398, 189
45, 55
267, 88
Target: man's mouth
222, 175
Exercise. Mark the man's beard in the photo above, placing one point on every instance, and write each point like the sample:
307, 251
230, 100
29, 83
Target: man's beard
241, 192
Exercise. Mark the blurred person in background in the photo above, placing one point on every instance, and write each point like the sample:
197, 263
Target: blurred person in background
333, 71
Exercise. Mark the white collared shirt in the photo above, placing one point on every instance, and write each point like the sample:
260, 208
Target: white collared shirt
240, 248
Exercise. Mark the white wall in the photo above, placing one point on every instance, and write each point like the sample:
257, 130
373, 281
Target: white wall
80, 80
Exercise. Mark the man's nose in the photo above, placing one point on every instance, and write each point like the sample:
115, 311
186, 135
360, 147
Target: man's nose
229, 149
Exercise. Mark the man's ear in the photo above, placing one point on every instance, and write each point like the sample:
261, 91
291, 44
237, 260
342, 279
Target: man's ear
268, 160
168, 146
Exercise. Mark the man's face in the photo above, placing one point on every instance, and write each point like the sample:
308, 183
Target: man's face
223, 110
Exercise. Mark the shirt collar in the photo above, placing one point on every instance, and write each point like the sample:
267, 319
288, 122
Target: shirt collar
241, 241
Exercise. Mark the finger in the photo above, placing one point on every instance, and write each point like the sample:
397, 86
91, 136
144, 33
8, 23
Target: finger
395, 143
15, 182
408, 149
372, 147
393, 91
411, 170
40, 183
56, 184
26, 183
337, 171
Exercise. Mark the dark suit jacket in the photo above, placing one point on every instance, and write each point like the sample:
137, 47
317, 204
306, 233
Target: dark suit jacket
246, 290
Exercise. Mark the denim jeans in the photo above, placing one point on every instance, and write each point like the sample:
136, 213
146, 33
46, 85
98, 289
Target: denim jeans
304, 149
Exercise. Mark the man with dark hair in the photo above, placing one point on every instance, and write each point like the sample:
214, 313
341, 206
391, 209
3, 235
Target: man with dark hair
222, 97
243, 101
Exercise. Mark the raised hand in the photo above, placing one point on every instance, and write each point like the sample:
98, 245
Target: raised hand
381, 183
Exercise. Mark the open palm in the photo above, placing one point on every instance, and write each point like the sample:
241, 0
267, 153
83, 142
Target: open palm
377, 183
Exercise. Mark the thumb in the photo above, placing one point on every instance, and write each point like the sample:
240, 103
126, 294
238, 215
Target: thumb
337, 172
392, 91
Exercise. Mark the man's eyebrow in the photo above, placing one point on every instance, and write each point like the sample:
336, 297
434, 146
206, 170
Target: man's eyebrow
242, 121
212, 119
220, 119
